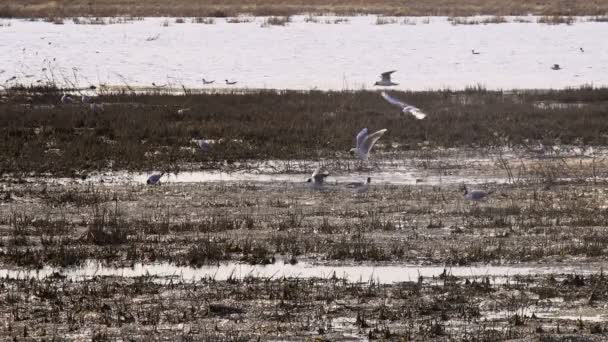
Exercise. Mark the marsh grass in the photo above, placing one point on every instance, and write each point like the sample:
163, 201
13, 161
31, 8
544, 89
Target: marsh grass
207, 8
79, 138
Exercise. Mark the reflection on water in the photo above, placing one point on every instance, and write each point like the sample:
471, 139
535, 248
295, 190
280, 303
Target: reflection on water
353, 273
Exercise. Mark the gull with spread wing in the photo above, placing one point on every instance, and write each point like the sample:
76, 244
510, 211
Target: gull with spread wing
406, 108
386, 79
365, 142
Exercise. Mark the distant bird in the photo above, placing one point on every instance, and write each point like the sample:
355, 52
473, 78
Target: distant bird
207, 82
386, 79
365, 142
204, 145
406, 108
159, 85
475, 52
556, 67
582, 50
230, 82
11, 79
66, 99
317, 181
475, 195
154, 179
183, 111
360, 186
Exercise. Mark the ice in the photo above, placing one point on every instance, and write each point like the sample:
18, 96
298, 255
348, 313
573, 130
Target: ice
305, 55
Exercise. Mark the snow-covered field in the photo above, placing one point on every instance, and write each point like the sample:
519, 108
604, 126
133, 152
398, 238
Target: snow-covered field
429, 53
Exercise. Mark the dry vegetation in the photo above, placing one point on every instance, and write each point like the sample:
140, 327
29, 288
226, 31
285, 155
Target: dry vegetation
551, 210
206, 8
142, 132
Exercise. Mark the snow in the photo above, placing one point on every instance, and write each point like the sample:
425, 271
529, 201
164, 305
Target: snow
305, 55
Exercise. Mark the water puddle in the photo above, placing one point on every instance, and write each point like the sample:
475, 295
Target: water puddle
353, 273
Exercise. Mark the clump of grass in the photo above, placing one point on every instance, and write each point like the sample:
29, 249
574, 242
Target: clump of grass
239, 20
203, 20
556, 20
106, 228
385, 20
276, 21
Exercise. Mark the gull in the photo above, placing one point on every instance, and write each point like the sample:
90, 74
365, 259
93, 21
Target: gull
154, 179
230, 82
317, 180
386, 79
207, 82
582, 50
204, 145
365, 142
360, 186
475, 195
406, 108
556, 67
66, 99
182, 111
475, 52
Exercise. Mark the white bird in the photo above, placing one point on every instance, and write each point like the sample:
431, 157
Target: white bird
474, 52
556, 67
475, 195
207, 82
317, 180
230, 82
154, 179
386, 79
406, 108
204, 145
182, 111
360, 186
365, 142
66, 99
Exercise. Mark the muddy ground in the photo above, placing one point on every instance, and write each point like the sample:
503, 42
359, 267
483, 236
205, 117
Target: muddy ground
547, 208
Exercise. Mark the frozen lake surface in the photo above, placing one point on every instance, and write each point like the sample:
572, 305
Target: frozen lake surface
429, 53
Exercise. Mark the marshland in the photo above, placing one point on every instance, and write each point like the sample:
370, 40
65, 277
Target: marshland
155, 173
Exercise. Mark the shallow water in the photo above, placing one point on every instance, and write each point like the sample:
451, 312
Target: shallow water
353, 273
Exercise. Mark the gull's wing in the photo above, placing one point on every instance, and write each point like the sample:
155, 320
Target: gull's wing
386, 76
406, 108
415, 112
371, 139
393, 100
361, 136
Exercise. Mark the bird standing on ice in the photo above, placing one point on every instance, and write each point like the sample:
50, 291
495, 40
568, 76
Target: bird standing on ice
317, 181
154, 179
406, 108
365, 142
385, 79
66, 99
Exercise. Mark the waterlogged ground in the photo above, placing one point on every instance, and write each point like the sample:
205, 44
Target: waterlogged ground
255, 253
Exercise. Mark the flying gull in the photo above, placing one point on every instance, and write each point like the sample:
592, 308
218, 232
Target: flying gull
365, 142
